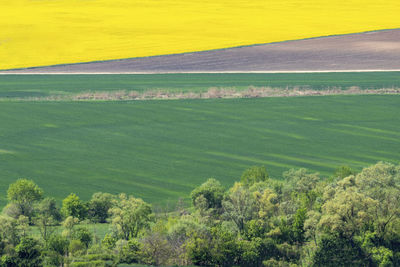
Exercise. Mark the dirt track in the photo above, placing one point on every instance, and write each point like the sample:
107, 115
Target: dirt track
359, 52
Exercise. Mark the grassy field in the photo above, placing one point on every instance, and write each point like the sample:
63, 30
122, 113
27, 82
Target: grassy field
161, 150
48, 32
20, 86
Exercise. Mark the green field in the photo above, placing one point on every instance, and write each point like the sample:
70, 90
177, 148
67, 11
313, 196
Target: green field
44, 85
160, 150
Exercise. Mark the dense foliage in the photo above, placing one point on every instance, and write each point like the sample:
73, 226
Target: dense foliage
348, 219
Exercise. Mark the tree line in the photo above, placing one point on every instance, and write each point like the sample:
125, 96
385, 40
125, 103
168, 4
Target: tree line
302, 219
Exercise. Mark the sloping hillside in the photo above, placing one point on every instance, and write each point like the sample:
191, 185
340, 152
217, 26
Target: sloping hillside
365, 51
48, 32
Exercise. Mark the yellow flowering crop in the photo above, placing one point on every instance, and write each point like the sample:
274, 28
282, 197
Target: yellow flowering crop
47, 32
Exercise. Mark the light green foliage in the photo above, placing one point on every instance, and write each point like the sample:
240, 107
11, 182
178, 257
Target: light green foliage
301, 189
109, 241
9, 232
73, 206
347, 213
130, 216
267, 203
239, 206
300, 180
381, 182
24, 193
69, 225
23, 225
382, 256
76, 247
343, 172
372, 197
254, 175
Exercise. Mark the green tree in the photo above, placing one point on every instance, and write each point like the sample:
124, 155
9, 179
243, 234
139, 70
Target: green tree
225, 249
211, 191
56, 249
129, 216
47, 215
24, 194
155, 249
130, 252
69, 226
300, 181
343, 172
99, 206
9, 232
381, 182
254, 175
298, 225
83, 235
28, 253
336, 251
239, 206
73, 206
198, 248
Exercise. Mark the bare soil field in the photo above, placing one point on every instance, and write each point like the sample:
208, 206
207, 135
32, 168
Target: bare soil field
378, 50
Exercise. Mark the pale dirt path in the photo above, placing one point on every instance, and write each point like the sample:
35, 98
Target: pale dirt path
194, 72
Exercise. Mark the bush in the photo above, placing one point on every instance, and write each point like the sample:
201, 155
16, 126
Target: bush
97, 263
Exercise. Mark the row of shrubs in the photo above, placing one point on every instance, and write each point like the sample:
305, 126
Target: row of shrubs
300, 219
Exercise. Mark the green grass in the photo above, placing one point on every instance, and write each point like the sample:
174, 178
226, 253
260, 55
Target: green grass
45, 85
161, 150
98, 229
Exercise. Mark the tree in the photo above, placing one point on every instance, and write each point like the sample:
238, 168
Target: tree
300, 181
28, 253
254, 175
129, 216
239, 206
69, 225
83, 235
73, 206
212, 191
225, 250
298, 225
56, 248
198, 248
24, 193
130, 252
9, 232
343, 172
155, 249
99, 206
335, 251
347, 213
46, 216
381, 182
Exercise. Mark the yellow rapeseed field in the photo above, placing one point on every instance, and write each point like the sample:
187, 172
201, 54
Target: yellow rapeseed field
47, 32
